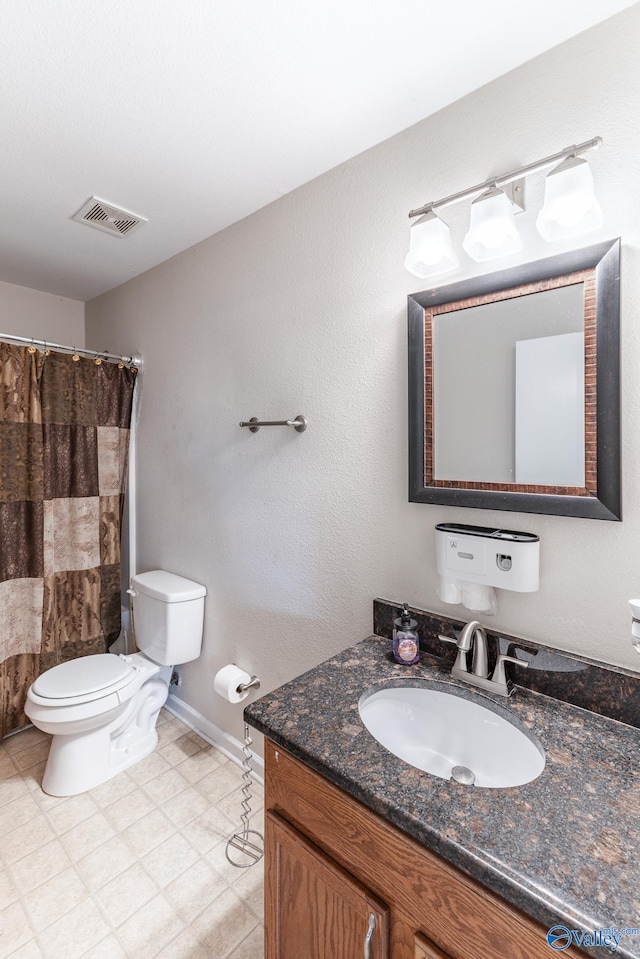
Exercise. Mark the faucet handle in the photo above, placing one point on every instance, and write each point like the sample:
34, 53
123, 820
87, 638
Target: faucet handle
461, 658
448, 639
499, 675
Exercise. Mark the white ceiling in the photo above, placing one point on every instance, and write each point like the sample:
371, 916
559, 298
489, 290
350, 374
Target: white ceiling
196, 113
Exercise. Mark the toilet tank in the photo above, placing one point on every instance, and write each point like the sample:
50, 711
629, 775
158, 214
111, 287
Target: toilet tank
168, 615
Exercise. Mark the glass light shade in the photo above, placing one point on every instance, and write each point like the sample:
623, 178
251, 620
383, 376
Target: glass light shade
492, 230
430, 250
570, 205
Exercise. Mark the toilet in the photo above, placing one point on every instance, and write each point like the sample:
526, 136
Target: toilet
102, 710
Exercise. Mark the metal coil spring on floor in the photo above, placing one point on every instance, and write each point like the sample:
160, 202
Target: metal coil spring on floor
252, 849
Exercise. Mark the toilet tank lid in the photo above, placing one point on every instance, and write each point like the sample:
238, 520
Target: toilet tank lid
167, 586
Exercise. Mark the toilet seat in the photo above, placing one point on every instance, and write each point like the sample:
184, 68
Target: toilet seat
88, 679
79, 677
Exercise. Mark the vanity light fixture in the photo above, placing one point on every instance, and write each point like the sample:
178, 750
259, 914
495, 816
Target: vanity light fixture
430, 250
492, 227
570, 208
570, 204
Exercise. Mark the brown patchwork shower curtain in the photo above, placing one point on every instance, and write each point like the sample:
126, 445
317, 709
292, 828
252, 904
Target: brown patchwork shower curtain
64, 438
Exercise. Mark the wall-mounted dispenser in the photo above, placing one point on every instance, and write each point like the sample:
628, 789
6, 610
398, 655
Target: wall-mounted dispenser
487, 557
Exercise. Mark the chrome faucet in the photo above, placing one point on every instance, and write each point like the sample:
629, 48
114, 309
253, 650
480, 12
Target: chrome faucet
473, 636
478, 641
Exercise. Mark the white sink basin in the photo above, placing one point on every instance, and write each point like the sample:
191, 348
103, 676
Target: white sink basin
441, 732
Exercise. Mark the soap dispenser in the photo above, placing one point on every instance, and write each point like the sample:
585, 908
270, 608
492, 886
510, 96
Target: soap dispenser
406, 642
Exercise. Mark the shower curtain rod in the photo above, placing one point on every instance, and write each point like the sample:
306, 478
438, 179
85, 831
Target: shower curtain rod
31, 341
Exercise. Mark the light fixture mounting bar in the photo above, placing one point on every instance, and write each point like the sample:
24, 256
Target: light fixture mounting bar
500, 181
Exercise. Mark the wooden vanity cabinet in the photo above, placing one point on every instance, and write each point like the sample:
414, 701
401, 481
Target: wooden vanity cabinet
332, 864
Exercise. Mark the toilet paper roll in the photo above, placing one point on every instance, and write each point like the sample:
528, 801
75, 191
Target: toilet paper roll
227, 680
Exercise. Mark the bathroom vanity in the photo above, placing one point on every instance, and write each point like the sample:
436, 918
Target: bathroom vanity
362, 846
332, 864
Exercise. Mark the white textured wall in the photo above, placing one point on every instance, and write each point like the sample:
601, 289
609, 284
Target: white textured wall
301, 308
26, 312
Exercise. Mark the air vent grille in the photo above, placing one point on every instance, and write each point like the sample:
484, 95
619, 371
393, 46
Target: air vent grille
109, 218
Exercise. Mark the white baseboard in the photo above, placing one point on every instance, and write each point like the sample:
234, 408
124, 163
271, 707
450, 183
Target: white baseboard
228, 745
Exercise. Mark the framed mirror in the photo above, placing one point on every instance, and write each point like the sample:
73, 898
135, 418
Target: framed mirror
514, 388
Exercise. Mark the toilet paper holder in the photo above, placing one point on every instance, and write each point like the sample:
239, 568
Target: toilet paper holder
254, 683
251, 849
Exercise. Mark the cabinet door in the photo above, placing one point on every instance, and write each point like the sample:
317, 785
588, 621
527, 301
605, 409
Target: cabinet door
423, 949
314, 909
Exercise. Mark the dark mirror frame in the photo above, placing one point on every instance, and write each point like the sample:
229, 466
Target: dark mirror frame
601, 500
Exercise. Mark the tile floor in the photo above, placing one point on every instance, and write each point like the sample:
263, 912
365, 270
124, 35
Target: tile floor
134, 868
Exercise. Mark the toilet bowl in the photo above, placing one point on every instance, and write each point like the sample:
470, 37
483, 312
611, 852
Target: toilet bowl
102, 710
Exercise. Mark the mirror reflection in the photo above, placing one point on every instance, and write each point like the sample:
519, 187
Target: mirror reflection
508, 390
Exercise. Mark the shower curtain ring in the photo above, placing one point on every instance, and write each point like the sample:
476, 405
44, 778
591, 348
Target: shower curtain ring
31, 349
75, 356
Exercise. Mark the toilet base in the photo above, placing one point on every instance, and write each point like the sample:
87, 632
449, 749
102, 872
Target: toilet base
75, 766
79, 762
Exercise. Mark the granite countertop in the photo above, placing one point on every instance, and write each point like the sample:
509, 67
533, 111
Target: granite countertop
563, 848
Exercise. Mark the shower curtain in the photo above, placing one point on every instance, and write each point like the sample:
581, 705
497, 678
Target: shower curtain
64, 438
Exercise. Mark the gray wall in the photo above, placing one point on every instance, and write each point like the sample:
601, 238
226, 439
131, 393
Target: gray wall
26, 312
301, 308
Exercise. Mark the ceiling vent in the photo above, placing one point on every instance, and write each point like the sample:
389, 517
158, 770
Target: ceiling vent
109, 218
